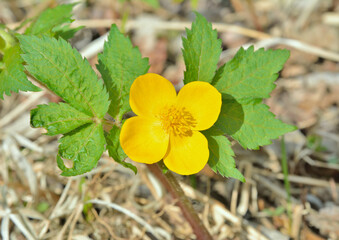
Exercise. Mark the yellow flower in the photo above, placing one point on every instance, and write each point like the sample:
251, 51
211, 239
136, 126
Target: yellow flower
167, 125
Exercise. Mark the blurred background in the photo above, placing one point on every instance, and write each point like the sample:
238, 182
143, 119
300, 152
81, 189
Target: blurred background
37, 203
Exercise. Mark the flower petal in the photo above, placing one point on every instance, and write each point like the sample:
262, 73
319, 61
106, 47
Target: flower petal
150, 93
187, 155
144, 140
203, 101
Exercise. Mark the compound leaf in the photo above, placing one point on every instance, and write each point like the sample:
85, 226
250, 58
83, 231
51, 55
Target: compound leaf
83, 147
119, 64
251, 124
201, 51
250, 74
221, 154
114, 149
58, 118
12, 76
62, 69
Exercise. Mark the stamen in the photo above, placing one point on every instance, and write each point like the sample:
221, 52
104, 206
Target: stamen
178, 121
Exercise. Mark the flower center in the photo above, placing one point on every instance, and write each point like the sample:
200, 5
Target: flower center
178, 121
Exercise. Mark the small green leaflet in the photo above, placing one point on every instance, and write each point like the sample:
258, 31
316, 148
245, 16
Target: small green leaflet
194, 4
61, 68
221, 154
119, 64
7, 40
58, 118
152, 3
114, 149
65, 31
49, 19
251, 124
83, 147
250, 74
12, 77
201, 51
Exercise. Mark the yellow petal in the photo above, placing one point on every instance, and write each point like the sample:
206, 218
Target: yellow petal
150, 93
203, 101
144, 140
187, 155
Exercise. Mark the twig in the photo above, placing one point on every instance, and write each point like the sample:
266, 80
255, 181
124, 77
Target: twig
171, 184
94, 47
299, 45
275, 189
235, 192
162, 25
103, 223
284, 167
254, 15
220, 27
61, 233
126, 212
15, 218
33, 98
319, 164
331, 18
219, 209
166, 25
296, 179
25, 168
297, 221
245, 191
77, 213
271, 42
304, 15
62, 198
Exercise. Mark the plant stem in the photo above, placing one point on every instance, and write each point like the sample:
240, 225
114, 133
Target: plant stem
286, 181
254, 16
171, 184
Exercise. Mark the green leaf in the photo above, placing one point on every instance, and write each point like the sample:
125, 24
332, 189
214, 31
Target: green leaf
250, 74
84, 147
152, 3
12, 77
62, 69
23, 24
42, 207
49, 19
251, 124
6, 40
65, 31
221, 155
58, 118
194, 4
201, 51
119, 64
114, 149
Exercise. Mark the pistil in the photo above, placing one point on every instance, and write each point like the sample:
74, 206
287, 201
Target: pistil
177, 120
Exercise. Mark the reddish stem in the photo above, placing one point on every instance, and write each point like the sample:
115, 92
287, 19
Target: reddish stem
171, 184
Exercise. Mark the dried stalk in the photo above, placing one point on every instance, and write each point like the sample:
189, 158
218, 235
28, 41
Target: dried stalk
171, 184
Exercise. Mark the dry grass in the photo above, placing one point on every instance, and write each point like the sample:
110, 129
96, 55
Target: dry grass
112, 203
